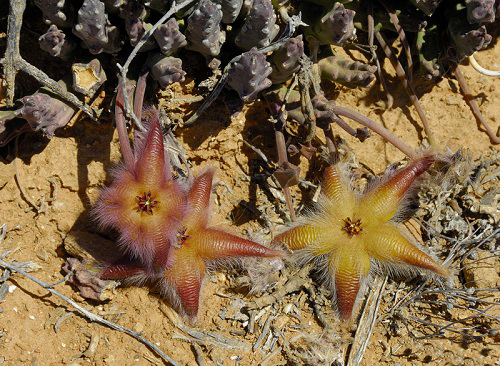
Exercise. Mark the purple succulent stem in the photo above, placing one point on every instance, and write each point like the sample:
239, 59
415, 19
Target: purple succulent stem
282, 158
128, 155
408, 87
330, 141
375, 127
140, 89
371, 31
473, 105
402, 37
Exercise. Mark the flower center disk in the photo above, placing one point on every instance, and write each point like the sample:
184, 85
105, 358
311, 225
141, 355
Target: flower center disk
146, 203
352, 227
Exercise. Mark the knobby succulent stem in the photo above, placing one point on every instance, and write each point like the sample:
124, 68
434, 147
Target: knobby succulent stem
408, 87
13, 62
473, 105
375, 127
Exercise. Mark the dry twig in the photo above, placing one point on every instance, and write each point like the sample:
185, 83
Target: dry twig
89, 315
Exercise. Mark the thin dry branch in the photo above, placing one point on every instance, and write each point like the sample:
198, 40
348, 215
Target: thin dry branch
371, 35
13, 63
91, 316
402, 37
367, 321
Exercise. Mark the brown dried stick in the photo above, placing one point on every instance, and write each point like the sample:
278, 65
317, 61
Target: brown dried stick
473, 105
282, 159
408, 87
91, 316
367, 321
13, 62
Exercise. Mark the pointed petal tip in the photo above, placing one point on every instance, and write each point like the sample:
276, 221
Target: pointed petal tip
441, 271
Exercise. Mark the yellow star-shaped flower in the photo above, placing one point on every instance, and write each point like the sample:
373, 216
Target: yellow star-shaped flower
351, 231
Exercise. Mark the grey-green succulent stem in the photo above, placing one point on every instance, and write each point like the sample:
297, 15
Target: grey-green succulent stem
294, 22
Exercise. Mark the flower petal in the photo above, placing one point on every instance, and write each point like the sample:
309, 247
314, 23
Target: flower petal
299, 237
387, 244
382, 203
348, 268
213, 244
185, 278
336, 188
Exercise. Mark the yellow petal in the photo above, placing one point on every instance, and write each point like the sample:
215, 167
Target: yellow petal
336, 188
298, 237
387, 244
348, 267
382, 203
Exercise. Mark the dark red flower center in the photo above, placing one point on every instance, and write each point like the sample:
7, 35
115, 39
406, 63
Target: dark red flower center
146, 203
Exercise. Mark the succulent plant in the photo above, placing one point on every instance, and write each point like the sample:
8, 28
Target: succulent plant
285, 60
346, 72
468, 38
259, 28
144, 204
55, 43
200, 244
249, 74
136, 26
335, 27
166, 69
230, 9
89, 77
427, 6
203, 31
45, 112
169, 37
479, 11
56, 12
94, 29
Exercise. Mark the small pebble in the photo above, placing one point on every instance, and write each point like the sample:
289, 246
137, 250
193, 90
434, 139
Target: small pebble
12, 288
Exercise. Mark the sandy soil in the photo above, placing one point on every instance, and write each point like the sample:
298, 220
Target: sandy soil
62, 176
